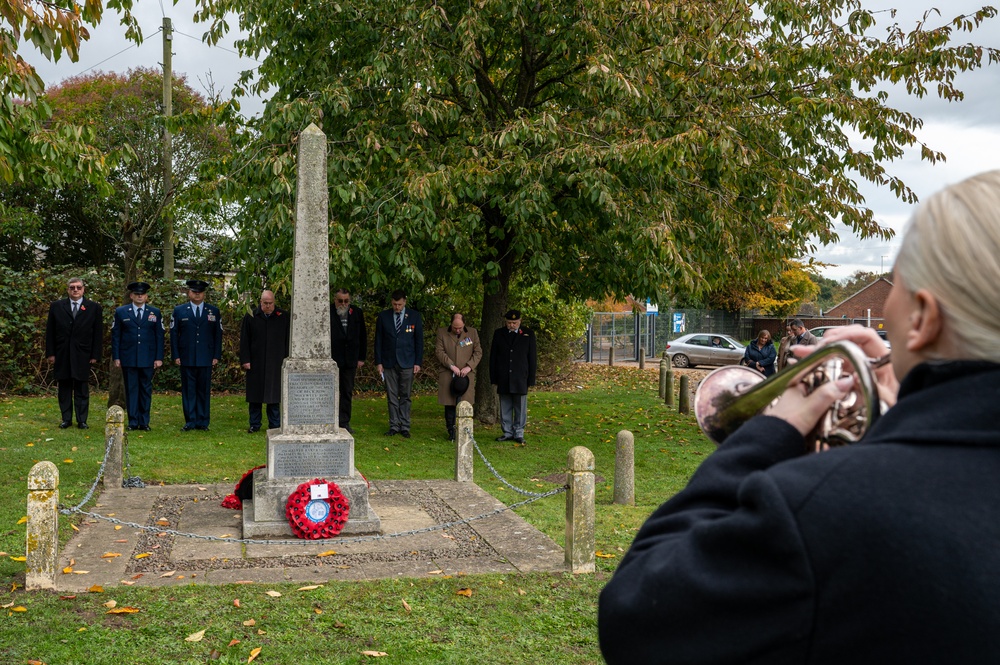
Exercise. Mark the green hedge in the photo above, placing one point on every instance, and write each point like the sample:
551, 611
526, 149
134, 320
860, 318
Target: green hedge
25, 298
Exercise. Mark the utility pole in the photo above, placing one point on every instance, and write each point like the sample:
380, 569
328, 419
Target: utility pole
168, 159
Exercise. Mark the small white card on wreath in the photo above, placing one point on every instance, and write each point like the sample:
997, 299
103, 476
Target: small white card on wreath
319, 492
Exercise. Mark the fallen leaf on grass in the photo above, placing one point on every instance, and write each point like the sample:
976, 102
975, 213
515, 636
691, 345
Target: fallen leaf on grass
464, 592
309, 588
127, 582
35, 662
406, 606
123, 610
19, 608
253, 654
337, 624
18, 558
374, 654
111, 604
74, 527
23, 520
261, 632
236, 602
7, 606
601, 555
67, 461
249, 622
97, 588
521, 592
273, 594
67, 597
233, 643
195, 637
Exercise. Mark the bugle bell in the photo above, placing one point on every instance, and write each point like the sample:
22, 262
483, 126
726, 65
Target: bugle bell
729, 396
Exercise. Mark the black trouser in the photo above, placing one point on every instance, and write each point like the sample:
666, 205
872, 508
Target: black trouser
73, 393
273, 415
449, 420
347, 375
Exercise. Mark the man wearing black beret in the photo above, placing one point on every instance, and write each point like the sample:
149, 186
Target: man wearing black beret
196, 347
513, 362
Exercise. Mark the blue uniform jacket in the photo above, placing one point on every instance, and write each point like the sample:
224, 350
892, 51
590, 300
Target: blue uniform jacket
137, 343
404, 350
196, 341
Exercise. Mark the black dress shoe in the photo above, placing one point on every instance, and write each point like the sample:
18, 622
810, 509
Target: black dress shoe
519, 439
405, 434
144, 428
132, 427
203, 428
83, 425
64, 424
253, 429
391, 432
348, 428
187, 428
505, 438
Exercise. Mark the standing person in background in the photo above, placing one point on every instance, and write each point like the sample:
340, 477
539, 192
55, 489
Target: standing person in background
784, 349
399, 352
458, 350
802, 336
137, 348
760, 354
74, 338
348, 348
196, 347
513, 364
263, 346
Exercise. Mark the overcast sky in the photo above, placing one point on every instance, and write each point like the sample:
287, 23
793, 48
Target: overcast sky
967, 132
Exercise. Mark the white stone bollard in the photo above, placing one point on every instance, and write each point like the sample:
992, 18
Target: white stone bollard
580, 509
624, 492
463, 443
42, 537
115, 428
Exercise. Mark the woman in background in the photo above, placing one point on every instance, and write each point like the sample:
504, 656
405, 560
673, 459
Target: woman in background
459, 352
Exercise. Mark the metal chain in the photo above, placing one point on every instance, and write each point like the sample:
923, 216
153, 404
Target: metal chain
129, 481
356, 539
489, 466
534, 496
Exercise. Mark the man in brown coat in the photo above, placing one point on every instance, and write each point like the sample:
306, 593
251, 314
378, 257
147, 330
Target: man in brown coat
458, 350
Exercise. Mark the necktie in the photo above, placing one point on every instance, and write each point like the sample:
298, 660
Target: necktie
75, 306
197, 312
138, 313
399, 322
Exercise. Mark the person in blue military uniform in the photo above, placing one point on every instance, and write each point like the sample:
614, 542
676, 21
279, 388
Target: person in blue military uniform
196, 347
399, 352
137, 348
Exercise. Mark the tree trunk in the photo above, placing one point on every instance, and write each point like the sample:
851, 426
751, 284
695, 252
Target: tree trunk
487, 406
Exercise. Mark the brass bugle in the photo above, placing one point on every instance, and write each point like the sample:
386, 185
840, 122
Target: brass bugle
729, 396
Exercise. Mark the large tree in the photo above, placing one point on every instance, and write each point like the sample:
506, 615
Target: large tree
81, 224
643, 146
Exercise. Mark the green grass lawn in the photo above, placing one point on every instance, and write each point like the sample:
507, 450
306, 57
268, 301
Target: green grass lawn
508, 619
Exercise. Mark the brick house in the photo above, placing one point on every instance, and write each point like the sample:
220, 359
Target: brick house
869, 301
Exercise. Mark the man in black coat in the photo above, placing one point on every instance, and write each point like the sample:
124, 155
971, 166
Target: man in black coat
348, 347
74, 337
513, 363
263, 346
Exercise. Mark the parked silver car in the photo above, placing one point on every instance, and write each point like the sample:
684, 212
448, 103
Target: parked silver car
819, 332
704, 349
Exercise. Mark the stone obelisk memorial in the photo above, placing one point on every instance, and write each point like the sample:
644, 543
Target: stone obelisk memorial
309, 444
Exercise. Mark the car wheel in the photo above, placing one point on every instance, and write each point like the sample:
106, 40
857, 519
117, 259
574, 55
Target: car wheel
680, 360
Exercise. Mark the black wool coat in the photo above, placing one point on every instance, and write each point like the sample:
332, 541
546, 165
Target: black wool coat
264, 344
885, 551
513, 361
350, 346
74, 342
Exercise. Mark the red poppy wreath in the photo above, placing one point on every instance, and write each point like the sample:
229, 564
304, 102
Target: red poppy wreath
317, 509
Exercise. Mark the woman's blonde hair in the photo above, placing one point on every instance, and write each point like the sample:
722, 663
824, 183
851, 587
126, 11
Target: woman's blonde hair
951, 248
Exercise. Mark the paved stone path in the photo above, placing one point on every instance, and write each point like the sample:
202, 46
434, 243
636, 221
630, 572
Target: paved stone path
503, 543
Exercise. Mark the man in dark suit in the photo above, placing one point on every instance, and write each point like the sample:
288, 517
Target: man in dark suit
348, 347
399, 352
263, 346
513, 363
137, 348
74, 336
196, 347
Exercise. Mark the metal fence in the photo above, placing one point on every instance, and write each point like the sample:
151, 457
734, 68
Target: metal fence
627, 332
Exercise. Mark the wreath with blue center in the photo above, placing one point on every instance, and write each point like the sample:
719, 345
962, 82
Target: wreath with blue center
317, 509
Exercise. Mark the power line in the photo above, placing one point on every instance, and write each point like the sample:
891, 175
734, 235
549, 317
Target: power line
217, 46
